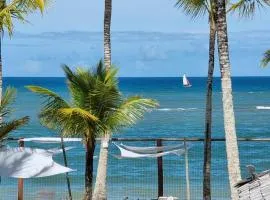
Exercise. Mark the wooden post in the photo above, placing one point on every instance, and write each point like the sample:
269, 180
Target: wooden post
187, 172
160, 171
20, 180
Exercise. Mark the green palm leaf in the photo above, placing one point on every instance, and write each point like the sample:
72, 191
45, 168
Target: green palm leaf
7, 99
6, 128
5, 110
18, 9
266, 58
130, 111
194, 8
97, 106
247, 8
78, 112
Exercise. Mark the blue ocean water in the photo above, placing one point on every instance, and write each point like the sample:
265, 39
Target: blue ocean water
181, 114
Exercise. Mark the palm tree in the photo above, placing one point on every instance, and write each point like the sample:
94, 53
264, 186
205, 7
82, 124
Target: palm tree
118, 112
73, 118
227, 99
5, 111
197, 8
100, 187
97, 107
16, 9
107, 33
266, 58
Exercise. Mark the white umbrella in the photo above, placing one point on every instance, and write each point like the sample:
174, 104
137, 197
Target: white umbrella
29, 163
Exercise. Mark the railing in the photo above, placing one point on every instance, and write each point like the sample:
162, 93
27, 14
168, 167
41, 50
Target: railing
143, 178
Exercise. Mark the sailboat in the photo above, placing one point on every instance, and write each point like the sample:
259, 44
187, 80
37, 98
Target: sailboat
186, 83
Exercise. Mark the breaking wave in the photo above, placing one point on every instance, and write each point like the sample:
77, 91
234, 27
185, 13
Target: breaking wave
263, 107
175, 109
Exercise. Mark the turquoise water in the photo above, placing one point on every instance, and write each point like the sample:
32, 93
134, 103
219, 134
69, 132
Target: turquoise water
181, 114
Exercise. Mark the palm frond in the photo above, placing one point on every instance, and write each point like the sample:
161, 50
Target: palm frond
193, 8
6, 128
78, 112
266, 58
79, 83
44, 92
110, 77
7, 99
247, 8
49, 114
97, 105
52, 100
18, 9
130, 111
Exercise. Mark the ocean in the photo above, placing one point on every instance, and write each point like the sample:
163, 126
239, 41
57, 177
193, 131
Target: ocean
181, 114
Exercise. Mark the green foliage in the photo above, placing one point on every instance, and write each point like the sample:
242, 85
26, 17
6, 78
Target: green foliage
5, 111
247, 8
96, 107
194, 8
266, 58
18, 9
198, 8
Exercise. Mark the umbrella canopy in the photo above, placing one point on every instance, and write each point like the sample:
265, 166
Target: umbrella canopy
29, 163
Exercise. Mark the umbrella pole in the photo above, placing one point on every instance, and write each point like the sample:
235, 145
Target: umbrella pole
20, 180
65, 161
187, 171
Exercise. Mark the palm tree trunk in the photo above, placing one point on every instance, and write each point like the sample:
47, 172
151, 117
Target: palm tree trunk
208, 115
89, 158
100, 192
66, 164
228, 110
107, 33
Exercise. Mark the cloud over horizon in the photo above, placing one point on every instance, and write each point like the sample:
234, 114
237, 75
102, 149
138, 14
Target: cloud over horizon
135, 53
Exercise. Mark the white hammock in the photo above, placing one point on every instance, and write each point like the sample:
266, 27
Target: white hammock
151, 150
138, 152
50, 139
29, 163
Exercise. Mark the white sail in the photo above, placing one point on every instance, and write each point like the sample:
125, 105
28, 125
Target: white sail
185, 81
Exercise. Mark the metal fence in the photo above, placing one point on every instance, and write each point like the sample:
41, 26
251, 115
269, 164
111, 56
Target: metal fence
138, 178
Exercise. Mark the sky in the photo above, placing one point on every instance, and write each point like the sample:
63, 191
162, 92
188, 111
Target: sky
167, 48
129, 15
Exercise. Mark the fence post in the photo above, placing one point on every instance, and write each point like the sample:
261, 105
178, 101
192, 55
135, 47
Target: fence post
187, 171
20, 180
160, 171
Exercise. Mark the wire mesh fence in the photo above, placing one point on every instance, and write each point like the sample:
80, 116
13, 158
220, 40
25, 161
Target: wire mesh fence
137, 179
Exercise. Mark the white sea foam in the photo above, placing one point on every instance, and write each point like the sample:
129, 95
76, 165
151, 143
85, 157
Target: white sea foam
263, 107
175, 109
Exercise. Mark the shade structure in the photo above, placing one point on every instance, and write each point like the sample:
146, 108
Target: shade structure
150, 152
29, 163
50, 139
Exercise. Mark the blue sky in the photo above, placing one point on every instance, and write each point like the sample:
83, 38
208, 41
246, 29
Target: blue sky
154, 54
129, 15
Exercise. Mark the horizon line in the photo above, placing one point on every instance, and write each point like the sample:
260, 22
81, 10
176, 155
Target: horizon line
136, 31
258, 76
